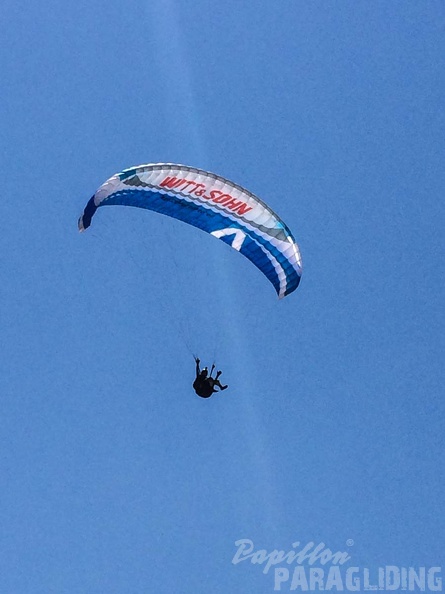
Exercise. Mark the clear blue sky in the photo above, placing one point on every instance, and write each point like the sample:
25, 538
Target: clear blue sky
114, 476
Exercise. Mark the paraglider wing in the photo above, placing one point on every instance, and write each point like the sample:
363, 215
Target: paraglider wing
213, 204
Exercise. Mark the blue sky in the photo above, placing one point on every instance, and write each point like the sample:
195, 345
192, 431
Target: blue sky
114, 476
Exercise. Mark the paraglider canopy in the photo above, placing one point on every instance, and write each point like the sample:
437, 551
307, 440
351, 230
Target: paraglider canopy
215, 205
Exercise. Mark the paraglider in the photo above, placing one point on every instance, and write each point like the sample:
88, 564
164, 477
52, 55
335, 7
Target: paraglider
215, 205
204, 384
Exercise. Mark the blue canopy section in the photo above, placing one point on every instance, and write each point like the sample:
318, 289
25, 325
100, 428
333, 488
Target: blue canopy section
210, 221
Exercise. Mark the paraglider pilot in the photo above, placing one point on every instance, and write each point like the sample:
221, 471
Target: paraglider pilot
204, 383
